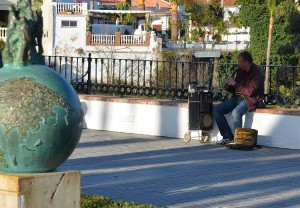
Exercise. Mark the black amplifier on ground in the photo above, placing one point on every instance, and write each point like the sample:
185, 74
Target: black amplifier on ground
200, 108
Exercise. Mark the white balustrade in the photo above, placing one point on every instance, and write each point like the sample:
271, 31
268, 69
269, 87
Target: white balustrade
103, 39
3, 33
74, 7
226, 46
133, 39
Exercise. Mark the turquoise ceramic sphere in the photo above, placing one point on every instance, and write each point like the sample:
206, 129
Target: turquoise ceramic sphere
40, 119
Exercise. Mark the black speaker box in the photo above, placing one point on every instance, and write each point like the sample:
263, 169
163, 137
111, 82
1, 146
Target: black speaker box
200, 110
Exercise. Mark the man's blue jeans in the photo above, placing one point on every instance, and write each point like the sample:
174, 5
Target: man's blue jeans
237, 105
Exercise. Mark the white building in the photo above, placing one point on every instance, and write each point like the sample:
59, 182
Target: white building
235, 34
66, 32
71, 35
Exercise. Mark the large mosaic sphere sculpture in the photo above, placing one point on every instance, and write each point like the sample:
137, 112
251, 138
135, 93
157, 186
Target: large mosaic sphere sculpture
40, 113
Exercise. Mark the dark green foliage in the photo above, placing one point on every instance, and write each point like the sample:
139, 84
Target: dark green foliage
196, 11
213, 13
210, 15
2, 45
286, 34
225, 70
167, 70
126, 32
95, 201
3, 24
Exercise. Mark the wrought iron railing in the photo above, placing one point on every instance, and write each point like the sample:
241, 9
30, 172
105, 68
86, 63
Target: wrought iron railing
166, 79
163, 79
284, 86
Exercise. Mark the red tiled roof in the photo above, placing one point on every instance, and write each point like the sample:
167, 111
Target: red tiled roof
162, 13
110, 2
152, 3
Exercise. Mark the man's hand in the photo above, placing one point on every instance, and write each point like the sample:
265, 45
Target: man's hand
231, 81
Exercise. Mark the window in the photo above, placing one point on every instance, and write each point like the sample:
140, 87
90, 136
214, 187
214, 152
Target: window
68, 23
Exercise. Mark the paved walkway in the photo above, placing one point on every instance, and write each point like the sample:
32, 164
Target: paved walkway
169, 172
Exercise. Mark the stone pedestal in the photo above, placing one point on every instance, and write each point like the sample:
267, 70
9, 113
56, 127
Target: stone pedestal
40, 190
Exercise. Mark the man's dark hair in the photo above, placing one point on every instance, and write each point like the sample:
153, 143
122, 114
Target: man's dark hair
246, 56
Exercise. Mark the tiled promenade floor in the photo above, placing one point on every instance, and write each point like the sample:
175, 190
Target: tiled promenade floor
169, 172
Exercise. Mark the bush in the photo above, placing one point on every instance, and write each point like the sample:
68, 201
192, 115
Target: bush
3, 24
68, 10
95, 201
2, 45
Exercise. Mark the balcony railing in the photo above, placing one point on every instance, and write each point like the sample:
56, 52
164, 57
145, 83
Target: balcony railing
3, 33
75, 8
223, 46
103, 39
133, 39
117, 39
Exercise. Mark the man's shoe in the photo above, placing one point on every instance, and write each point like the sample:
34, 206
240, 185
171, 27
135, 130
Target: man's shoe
225, 141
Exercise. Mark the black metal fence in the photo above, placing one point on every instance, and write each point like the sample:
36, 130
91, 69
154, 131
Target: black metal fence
284, 86
166, 79
162, 79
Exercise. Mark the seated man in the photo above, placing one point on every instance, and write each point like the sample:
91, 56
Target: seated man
247, 88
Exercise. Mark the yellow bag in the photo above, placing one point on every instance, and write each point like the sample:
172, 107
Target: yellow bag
245, 136
244, 139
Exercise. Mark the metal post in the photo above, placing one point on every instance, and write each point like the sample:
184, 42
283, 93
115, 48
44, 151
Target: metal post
212, 67
89, 74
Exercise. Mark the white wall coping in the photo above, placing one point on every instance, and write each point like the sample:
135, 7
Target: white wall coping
177, 103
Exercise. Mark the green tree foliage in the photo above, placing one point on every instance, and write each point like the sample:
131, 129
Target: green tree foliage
36, 4
127, 18
3, 24
213, 14
205, 15
286, 34
196, 11
2, 45
208, 15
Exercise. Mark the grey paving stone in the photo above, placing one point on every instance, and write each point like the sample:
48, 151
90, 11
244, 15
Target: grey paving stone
169, 172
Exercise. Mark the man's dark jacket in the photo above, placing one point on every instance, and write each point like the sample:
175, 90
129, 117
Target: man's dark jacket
250, 85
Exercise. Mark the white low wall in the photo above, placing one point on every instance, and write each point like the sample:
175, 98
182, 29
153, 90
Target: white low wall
172, 121
135, 118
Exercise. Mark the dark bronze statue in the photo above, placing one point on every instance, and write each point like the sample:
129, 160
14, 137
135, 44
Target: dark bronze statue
24, 33
26, 40
11, 39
